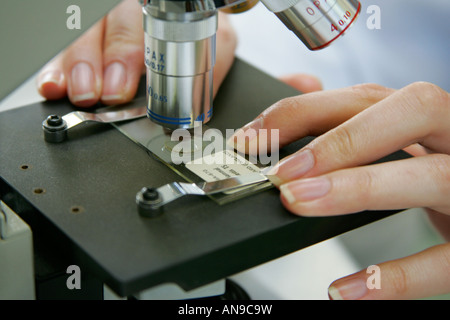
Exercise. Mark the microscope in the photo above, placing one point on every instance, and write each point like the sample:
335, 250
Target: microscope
79, 196
180, 48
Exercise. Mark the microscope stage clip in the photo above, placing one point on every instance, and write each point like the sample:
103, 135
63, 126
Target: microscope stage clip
150, 201
55, 127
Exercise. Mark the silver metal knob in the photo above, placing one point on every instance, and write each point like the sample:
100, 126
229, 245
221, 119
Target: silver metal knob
316, 22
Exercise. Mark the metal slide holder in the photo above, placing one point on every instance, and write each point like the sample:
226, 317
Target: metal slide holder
150, 201
55, 127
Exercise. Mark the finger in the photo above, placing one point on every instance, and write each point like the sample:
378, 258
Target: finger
225, 47
416, 150
51, 82
417, 113
304, 83
424, 274
415, 182
441, 222
83, 68
123, 57
310, 114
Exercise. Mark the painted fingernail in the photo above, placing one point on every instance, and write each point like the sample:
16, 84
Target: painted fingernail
305, 189
244, 139
348, 289
114, 81
292, 167
82, 83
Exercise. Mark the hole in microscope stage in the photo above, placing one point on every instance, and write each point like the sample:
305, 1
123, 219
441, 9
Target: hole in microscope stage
76, 209
38, 190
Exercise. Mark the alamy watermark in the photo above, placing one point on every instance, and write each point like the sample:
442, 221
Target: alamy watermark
74, 280
73, 21
373, 22
200, 146
374, 280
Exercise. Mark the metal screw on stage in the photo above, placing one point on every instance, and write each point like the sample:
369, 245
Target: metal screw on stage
55, 129
148, 200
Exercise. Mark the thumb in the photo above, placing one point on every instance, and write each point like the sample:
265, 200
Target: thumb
424, 274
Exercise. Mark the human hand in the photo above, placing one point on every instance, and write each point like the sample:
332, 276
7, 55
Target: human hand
332, 175
106, 63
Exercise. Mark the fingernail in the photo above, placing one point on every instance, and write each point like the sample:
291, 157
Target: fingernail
305, 189
292, 167
82, 85
114, 81
348, 289
244, 138
50, 77
50, 84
